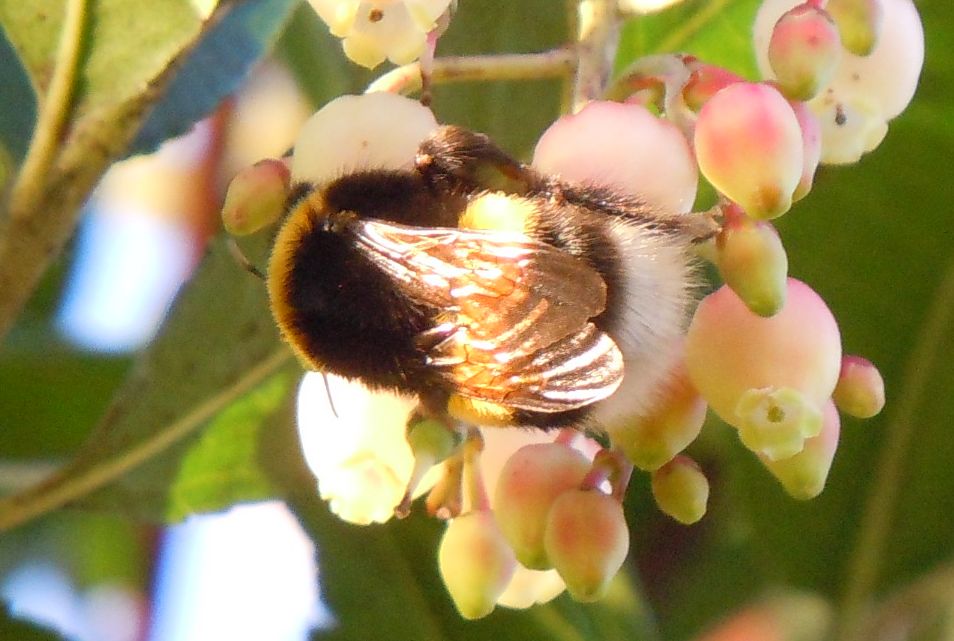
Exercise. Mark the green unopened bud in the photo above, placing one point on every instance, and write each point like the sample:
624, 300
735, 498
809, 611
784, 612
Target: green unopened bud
681, 490
804, 51
256, 197
776, 422
475, 562
752, 261
860, 388
803, 476
431, 442
859, 23
528, 484
432, 438
587, 541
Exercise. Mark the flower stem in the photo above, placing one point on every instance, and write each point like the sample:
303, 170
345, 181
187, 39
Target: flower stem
406, 79
597, 38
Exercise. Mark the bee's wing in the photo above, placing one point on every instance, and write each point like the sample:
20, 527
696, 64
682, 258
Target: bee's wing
517, 325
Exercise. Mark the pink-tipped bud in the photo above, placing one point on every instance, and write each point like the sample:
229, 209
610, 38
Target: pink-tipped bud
860, 389
256, 197
681, 490
528, 484
587, 541
475, 562
730, 350
705, 81
749, 146
774, 422
804, 51
752, 261
803, 475
859, 23
811, 147
652, 440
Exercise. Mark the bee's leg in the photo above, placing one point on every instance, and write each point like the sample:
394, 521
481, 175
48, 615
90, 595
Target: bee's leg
453, 158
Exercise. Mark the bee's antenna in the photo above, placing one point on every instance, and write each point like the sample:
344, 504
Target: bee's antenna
243, 260
331, 401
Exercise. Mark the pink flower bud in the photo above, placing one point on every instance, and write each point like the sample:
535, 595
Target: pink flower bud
860, 389
730, 350
804, 51
475, 562
859, 23
752, 261
255, 197
681, 490
705, 81
652, 440
625, 147
528, 484
587, 541
811, 147
803, 475
749, 146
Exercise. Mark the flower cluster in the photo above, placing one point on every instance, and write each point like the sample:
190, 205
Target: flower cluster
374, 30
533, 513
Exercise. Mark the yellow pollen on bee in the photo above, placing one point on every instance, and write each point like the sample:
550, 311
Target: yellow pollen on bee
498, 212
479, 412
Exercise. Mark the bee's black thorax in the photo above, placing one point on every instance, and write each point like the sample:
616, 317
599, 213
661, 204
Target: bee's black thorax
339, 312
395, 196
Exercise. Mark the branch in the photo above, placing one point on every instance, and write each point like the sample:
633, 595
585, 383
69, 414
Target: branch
406, 79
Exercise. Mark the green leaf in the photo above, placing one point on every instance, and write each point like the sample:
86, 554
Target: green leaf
717, 31
218, 345
18, 112
19, 630
219, 466
394, 567
51, 394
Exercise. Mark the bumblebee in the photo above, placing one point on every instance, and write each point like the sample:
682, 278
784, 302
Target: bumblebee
495, 294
